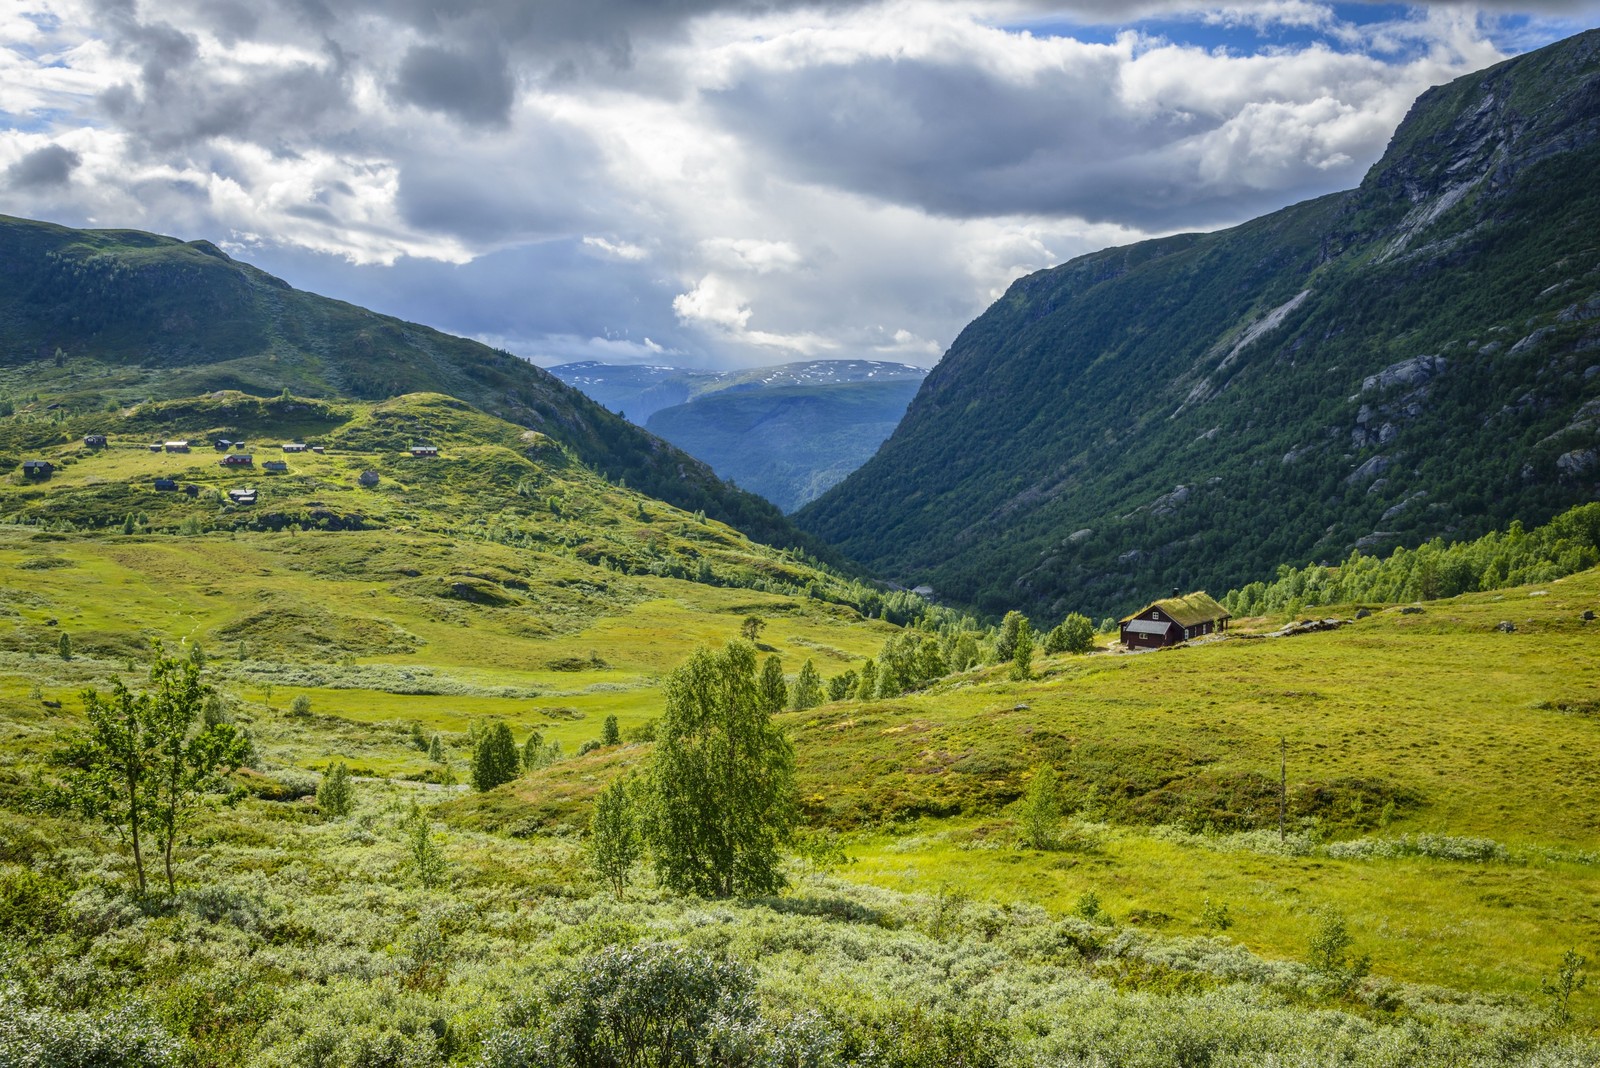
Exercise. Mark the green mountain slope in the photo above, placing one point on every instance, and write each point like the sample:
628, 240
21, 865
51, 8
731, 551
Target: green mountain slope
788, 443
1418, 356
135, 315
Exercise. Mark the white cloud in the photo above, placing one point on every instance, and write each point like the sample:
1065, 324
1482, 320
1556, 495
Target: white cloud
621, 250
713, 302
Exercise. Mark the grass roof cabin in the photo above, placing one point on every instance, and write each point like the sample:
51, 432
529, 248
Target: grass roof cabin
1173, 620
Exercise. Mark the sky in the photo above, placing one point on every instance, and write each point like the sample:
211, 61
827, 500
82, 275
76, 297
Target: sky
707, 183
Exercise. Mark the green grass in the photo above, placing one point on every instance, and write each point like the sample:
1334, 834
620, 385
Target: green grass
463, 599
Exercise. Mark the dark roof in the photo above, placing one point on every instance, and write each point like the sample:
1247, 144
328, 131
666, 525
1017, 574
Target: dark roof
34, 465
1190, 610
1145, 626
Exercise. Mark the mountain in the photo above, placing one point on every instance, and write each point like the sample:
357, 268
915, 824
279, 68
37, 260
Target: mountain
635, 390
93, 318
1417, 357
787, 432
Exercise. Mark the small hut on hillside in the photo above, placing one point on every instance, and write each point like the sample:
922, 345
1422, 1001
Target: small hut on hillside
1173, 620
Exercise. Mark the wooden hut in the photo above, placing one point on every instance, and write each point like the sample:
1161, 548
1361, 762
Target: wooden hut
1173, 620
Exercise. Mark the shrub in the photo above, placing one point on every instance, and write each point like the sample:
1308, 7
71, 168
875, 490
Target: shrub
1328, 954
1039, 815
610, 733
335, 794
659, 1005
32, 1037
300, 706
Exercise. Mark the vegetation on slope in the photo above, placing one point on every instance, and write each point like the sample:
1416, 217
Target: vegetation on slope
92, 318
389, 630
1412, 359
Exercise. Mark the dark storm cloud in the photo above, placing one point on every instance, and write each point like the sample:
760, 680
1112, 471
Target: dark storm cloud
475, 85
959, 141
43, 167
280, 104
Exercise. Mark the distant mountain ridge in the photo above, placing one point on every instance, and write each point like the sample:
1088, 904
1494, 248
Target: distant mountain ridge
787, 432
641, 390
1416, 357
135, 315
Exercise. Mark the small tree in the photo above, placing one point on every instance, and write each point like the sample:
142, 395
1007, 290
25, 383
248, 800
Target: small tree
721, 782
807, 688
867, 689
1039, 818
494, 758
419, 740
1022, 653
610, 733
842, 687
774, 691
64, 646
300, 706
1329, 954
964, 653
436, 750
336, 794
533, 752
1569, 979
751, 628
1075, 634
615, 844
422, 849
147, 759
1005, 644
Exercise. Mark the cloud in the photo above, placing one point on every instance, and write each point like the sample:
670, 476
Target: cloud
474, 85
719, 181
47, 166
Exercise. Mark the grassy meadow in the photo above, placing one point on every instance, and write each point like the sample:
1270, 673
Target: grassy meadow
1442, 789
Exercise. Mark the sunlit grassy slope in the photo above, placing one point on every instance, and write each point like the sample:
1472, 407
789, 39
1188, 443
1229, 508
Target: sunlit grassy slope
1484, 742
1442, 778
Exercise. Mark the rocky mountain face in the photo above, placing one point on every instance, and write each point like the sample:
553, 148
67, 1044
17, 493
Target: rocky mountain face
97, 317
1415, 358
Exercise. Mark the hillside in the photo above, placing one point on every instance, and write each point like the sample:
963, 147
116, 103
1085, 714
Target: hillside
1440, 784
98, 318
1415, 357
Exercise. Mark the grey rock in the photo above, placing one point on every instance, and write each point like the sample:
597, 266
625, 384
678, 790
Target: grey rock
1412, 372
1582, 311
1531, 340
1577, 462
1505, 626
1368, 471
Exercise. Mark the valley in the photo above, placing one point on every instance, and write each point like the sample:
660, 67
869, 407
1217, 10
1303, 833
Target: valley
371, 698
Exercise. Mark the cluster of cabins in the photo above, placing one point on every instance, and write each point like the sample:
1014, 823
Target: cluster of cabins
233, 457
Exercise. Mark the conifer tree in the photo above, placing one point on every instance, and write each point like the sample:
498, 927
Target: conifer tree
807, 688
335, 794
774, 691
868, 687
1022, 653
494, 758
